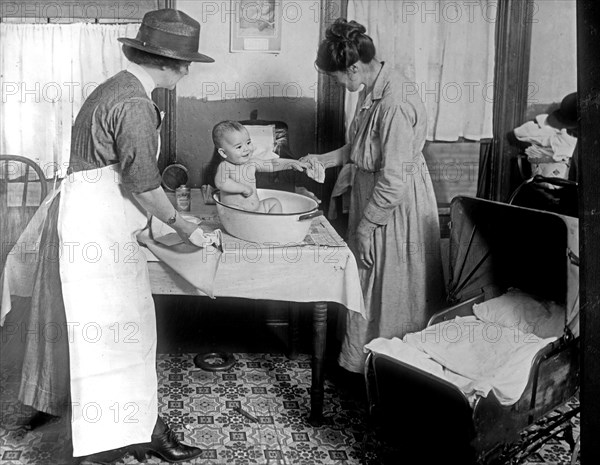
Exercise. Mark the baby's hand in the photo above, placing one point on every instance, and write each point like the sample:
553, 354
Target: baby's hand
308, 159
247, 192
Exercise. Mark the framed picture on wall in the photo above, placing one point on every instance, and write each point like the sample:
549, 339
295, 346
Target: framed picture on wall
256, 26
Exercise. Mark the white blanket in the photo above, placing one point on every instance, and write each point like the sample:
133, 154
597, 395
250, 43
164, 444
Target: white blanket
475, 356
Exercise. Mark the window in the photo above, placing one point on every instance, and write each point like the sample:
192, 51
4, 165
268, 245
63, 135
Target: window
64, 51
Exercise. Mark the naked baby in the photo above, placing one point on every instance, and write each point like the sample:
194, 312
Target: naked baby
236, 174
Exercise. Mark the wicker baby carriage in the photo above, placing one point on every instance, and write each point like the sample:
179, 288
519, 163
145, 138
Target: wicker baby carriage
493, 247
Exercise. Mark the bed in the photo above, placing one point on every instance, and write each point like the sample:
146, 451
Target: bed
501, 356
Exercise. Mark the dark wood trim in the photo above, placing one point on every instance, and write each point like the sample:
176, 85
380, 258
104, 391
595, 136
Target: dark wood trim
167, 102
513, 44
330, 104
588, 88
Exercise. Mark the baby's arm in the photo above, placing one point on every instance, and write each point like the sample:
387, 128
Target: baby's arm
280, 164
226, 184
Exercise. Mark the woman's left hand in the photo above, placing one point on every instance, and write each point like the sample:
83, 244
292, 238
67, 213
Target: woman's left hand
364, 235
365, 254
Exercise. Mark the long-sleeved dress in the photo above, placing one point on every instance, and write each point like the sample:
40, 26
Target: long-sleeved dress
392, 188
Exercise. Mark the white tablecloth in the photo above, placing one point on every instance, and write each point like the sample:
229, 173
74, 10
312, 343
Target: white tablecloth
306, 273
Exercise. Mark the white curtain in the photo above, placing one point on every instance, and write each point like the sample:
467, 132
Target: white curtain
446, 50
46, 72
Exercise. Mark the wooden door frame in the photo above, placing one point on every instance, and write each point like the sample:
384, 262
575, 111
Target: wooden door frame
511, 76
330, 128
588, 144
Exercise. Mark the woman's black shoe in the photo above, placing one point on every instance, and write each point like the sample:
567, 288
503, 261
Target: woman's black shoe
166, 446
106, 457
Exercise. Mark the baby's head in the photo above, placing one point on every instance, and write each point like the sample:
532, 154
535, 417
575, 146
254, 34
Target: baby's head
232, 142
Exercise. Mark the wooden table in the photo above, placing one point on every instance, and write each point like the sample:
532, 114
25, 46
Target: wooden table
294, 274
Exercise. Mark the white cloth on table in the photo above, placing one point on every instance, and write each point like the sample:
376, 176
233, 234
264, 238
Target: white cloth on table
197, 265
255, 271
321, 274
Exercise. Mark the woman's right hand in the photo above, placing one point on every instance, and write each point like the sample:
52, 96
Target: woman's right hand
185, 229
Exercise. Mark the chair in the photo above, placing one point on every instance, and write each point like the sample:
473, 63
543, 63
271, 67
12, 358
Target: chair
23, 187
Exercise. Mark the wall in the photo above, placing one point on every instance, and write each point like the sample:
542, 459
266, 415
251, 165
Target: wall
453, 168
553, 63
280, 86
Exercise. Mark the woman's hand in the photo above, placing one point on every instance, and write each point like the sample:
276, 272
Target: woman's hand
247, 192
185, 229
299, 165
364, 236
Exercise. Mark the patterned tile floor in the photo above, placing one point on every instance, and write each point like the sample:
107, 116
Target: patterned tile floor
199, 405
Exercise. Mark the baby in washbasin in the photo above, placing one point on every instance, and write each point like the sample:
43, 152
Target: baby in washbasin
236, 173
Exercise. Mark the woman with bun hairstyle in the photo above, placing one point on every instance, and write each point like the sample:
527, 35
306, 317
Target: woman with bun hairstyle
393, 226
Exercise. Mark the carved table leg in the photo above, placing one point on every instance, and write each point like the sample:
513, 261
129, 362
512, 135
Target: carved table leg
317, 391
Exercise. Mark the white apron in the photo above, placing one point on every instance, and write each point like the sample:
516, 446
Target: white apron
110, 313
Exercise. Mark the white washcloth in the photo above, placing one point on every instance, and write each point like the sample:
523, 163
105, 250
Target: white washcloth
164, 234
316, 170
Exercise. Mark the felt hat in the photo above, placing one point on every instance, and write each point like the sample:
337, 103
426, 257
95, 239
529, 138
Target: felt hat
169, 33
566, 115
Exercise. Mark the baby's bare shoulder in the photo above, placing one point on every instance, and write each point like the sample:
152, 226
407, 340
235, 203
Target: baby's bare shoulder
228, 168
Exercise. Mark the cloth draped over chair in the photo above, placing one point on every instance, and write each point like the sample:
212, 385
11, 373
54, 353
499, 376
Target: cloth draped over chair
446, 49
46, 79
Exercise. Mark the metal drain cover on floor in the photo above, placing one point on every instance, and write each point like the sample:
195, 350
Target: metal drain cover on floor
214, 361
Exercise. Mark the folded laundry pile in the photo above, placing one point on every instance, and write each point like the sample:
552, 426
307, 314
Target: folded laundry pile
551, 149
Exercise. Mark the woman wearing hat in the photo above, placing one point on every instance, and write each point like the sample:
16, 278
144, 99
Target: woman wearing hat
113, 183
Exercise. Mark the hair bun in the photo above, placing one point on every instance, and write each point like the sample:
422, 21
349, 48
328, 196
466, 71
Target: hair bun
345, 43
342, 30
